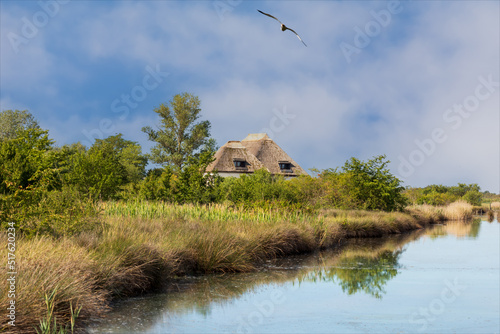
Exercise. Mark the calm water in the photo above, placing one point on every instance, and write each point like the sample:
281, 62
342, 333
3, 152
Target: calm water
441, 280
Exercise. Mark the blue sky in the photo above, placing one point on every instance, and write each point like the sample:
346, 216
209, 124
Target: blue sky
417, 81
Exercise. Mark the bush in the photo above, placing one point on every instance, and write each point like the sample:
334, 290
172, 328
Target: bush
58, 212
444, 195
473, 197
258, 189
436, 198
364, 185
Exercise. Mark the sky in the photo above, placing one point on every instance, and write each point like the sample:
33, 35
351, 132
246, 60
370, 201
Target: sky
417, 81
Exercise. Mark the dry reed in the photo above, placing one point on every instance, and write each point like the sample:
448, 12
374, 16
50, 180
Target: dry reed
140, 244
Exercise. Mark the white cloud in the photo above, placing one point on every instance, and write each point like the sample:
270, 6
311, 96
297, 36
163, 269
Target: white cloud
244, 68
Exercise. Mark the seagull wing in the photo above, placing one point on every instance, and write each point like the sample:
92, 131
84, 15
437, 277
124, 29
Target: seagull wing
297, 35
269, 15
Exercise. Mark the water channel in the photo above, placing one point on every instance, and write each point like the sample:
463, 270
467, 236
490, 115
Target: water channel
445, 279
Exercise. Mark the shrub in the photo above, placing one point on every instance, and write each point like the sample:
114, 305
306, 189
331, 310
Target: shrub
58, 212
364, 185
473, 197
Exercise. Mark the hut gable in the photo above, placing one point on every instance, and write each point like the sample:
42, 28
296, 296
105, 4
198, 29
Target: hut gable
271, 155
254, 152
234, 158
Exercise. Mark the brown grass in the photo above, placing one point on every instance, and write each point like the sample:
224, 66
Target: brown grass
459, 210
133, 255
43, 265
495, 205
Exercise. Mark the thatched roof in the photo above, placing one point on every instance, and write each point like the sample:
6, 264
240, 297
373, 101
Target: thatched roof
270, 154
229, 153
254, 152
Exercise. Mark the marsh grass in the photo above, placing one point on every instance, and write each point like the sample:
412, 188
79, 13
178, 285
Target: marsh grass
495, 206
45, 265
139, 245
459, 210
49, 325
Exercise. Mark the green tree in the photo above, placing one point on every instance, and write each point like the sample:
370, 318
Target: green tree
157, 184
193, 184
129, 155
437, 194
181, 134
365, 185
96, 173
473, 197
13, 121
25, 160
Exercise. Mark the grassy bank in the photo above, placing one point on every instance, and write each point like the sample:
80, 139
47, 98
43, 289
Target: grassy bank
138, 246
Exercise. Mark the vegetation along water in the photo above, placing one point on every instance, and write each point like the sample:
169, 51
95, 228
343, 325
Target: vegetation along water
87, 226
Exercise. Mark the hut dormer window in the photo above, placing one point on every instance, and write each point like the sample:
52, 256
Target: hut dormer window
240, 164
285, 166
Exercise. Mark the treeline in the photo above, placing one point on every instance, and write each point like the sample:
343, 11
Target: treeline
50, 189
53, 189
443, 195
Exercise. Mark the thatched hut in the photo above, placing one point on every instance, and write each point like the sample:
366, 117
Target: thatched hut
254, 152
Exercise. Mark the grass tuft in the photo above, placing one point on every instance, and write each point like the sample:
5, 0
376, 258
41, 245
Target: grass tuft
138, 245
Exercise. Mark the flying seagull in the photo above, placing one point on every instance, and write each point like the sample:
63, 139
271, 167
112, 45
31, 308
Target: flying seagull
283, 27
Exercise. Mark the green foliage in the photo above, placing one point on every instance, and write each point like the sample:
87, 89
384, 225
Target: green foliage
25, 160
259, 190
192, 184
364, 185
49, 325
436, 198
443, 195
188, 185
180, 135
105, 168
11, 122
57, 212
358, 185
156, 185
473, 197
129, 155
33, 195
96, 173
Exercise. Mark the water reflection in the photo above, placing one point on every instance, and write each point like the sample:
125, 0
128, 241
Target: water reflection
458, 229
361, 272
360, 266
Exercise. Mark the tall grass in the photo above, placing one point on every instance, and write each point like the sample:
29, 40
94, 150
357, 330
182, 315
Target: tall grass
156, 209
459, 210
139, 245
45, 265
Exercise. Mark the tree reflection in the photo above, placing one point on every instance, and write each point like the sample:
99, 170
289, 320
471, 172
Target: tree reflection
361, 270
365, 273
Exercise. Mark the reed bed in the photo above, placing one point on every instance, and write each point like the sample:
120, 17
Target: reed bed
139, 245
495, 206
44, 267
158, 209
459, 210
